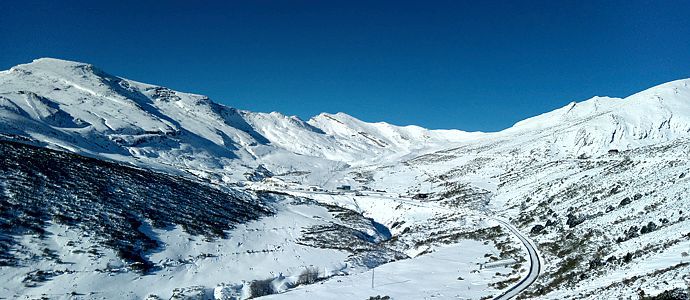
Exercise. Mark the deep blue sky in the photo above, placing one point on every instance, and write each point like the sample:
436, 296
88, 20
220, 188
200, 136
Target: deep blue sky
480, 65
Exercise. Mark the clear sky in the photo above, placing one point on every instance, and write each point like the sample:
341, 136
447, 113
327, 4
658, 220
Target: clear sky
471, 65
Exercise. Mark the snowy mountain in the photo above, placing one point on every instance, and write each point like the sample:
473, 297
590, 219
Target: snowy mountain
595, 192
76, 107
600, 186
594, 126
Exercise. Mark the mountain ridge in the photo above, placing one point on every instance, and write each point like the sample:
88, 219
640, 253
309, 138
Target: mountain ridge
597, 185
79, 108
129, 120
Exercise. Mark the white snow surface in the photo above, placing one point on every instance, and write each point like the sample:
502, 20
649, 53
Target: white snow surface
451, 278
77, 107
568, 160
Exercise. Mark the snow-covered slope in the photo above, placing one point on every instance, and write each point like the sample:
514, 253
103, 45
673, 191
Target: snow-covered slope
594, 126
77, 107
71, 226
599, 185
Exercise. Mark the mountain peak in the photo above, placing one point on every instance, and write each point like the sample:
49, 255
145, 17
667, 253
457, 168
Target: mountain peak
677, 90
60, 68
52, 60
48, 63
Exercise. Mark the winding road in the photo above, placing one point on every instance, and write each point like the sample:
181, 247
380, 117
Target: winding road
535, 263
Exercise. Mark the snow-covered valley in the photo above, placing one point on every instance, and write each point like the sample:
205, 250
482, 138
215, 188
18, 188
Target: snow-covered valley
112, 188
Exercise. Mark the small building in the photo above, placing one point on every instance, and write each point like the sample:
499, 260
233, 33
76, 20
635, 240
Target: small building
344, 188
315, 189
420, 196
613, 151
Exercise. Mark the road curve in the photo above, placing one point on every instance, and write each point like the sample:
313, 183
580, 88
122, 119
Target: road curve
535, 260
535, 264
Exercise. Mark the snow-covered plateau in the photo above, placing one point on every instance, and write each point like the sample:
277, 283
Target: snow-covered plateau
116, 189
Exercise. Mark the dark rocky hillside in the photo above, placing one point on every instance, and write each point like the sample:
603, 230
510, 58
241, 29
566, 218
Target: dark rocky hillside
111, 201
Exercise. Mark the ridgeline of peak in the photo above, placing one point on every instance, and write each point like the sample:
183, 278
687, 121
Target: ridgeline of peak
573, 110
76, 107
50, 62
79, 108
59, 67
